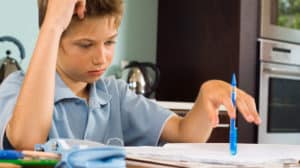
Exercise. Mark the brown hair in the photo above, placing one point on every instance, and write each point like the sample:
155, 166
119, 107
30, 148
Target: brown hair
112, 8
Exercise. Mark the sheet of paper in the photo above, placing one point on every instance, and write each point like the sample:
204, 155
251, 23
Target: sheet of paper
218, 154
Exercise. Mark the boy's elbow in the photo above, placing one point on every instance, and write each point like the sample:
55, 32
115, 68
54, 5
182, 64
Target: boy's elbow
18, 143
23, 146
23, 142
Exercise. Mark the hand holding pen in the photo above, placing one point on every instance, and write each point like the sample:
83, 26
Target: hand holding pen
198, 123
215, 93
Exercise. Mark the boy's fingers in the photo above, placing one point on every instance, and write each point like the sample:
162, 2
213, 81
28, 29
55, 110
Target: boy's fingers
80, 8
243, 108
253, 110
215, 119
213, 114
246, 105
229, 106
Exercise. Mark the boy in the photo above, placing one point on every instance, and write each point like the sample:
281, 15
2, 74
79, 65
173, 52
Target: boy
62, 95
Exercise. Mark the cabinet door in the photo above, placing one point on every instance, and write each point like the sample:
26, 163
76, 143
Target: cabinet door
197, 41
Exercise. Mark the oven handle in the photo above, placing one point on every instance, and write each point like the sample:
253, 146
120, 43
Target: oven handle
282, 71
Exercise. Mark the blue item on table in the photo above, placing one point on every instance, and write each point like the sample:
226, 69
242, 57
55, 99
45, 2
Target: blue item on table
106, 156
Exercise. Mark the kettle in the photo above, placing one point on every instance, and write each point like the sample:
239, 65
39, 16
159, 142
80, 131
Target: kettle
9, 64
142, 77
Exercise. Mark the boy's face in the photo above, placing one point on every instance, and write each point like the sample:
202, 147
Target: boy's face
86, 50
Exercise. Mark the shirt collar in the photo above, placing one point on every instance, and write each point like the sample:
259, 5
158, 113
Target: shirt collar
98, 92
62, 91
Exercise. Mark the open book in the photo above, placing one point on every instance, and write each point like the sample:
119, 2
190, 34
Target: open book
197, 154
201, 154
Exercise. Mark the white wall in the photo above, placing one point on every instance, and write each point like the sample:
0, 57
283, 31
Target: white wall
137, 37
18, 18
137, 33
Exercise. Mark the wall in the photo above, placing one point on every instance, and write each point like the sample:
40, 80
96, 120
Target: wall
19, 19
136, 41
137, 33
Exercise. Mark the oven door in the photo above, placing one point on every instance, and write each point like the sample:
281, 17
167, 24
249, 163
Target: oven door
279, 105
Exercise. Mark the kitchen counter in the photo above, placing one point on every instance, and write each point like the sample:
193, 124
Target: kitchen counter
187, 106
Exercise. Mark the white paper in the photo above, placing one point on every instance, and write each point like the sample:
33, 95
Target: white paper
219, 154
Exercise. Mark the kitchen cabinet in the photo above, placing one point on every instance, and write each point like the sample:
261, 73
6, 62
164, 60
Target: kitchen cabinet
202, 40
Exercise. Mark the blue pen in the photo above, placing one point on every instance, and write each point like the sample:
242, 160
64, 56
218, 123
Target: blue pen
233, 129
10, 155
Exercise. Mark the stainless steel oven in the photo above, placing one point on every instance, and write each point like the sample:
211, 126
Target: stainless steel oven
280, 20
279, 92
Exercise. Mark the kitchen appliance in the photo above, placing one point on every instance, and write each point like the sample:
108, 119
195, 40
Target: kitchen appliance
10, 64
279, 92
280, 20
142, 77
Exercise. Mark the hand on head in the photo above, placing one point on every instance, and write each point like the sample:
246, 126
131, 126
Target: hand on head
59, 13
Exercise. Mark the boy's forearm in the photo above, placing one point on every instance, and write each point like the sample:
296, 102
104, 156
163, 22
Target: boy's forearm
32, 116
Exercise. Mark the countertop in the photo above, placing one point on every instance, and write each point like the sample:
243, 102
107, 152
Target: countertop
180, 105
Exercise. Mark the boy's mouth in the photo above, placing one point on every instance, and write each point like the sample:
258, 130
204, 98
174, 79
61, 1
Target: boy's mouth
96, 72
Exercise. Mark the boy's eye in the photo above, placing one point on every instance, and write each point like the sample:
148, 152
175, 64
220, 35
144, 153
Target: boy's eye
84, 45
110, 42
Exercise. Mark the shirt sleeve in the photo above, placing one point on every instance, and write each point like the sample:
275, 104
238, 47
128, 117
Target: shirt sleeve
142, 119
9, 90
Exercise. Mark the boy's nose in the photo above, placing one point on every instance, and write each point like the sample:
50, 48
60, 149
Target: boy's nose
99, 57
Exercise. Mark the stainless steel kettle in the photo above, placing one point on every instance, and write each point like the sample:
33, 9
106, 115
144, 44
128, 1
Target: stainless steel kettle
142, 77
9, 64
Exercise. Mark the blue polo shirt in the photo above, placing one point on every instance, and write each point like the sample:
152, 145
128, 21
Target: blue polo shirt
113, 115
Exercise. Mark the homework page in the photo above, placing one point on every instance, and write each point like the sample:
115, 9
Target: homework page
218, 153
